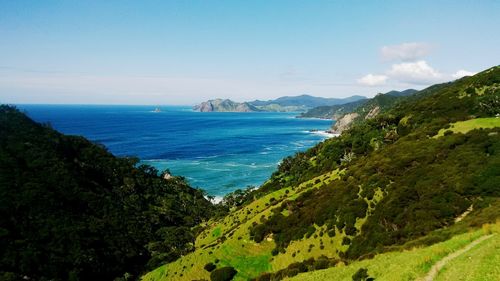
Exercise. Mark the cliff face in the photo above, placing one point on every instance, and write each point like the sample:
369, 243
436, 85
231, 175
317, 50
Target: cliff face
373, 112
220, 105
344, 123
369, 109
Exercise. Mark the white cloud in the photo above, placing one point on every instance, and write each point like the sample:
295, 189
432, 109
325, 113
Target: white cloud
406, 51
372, 80
409, 68
419, 73
461, 73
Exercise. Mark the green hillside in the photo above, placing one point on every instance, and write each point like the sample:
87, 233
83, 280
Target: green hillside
70, 210
482, 262
332, 111
384, 184
362, 107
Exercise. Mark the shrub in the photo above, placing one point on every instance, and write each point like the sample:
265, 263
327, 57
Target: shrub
321, 264
360, 275
223, 274
346, 241
350, 230
292, 272
301, 267
209, 267
275, 251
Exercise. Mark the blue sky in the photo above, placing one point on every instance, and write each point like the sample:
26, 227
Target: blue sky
183, 52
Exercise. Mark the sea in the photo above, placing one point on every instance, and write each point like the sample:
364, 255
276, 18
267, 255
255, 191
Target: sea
216, 151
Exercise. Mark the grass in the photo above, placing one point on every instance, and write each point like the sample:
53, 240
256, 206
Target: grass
415, 263
311, 247
482, 263
228, 241
466, 126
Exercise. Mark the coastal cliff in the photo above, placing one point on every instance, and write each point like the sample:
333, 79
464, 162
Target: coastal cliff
349, 114
344, 122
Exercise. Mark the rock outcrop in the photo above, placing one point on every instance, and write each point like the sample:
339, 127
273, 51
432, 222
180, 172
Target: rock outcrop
373, 112
344, 123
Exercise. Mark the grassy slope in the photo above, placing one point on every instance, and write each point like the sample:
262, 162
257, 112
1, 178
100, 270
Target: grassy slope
481, 263
415, 263
229, 242
466, 126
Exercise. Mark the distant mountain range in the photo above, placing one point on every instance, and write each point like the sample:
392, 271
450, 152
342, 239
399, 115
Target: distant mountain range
282, 104
404, 93
306, 101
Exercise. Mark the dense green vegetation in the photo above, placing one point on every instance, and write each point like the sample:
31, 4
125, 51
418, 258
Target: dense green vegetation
465, 166
70, 210
384, 101
426, 182
332, 111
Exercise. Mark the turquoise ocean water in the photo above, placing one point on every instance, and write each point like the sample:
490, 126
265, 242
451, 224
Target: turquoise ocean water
218, 152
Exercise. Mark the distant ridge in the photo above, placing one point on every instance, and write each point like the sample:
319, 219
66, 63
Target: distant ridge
404, 93
282, 104
307, 101
337, 111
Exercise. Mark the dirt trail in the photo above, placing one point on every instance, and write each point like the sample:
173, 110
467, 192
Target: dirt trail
440, 264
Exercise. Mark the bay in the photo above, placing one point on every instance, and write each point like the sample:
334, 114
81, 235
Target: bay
216, 151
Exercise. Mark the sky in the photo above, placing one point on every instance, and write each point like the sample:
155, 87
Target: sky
184, 52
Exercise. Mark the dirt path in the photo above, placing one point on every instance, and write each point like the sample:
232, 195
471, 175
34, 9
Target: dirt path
440, 264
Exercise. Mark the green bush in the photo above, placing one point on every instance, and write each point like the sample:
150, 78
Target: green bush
209, 267
275, 251
321, 264
292, 272
223, 274
360, 275
301, 267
